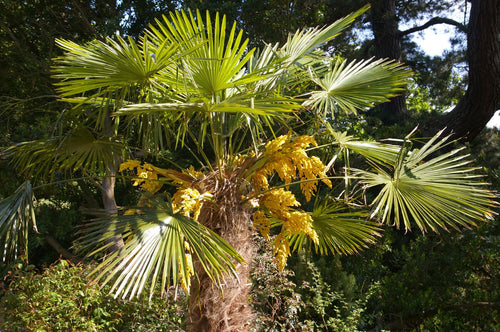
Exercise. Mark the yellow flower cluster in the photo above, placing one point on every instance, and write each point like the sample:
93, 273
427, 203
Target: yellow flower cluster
278, 201
147, 175
262, 223
192, 172
278, 204
185, 284
129, 165
290, 161
188, 202
281, 250
300, 222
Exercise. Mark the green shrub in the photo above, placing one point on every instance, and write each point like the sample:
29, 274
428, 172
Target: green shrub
318, 296
61, 298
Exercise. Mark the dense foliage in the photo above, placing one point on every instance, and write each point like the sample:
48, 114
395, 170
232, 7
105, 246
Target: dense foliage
60, 298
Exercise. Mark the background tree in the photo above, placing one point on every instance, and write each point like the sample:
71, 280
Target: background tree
481, 100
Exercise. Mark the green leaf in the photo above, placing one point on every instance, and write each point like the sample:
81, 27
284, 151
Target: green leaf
77, 149
357, 85
304, 41
374, 151
431, 191
155, 250
110, 65
17, 214
340, 230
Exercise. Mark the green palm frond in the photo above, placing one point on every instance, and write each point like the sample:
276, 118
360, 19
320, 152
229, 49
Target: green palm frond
155, 251
107, 66
17, 215
77, 149
357, 85
374, 151
216, 64
304, 41
298, 51
431, 191
236, 104
340, 230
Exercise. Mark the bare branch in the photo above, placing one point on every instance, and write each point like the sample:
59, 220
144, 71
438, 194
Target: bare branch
60, 249
434, 21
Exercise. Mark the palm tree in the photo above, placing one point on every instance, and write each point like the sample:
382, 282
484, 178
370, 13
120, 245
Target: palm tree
190, 82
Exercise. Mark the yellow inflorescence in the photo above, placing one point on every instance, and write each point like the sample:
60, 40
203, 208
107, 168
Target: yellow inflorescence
300, 222
188, 202
281, 250
262, 223
129, 165
147, 175
278, 201
289, 160
186, 283
194, 173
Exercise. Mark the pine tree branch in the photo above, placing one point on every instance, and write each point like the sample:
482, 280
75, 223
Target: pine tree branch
434, 21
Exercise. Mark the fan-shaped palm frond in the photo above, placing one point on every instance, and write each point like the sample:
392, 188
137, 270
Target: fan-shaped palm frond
357, 85
375, 151
17, 214
435, 193
213, 66
304, 41
77, 149
107, 66
298, 51
340, 230
157, 243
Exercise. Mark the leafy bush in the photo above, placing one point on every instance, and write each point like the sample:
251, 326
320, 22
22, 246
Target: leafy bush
319, 296
61, 299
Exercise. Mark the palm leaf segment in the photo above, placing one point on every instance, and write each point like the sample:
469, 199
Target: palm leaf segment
356, 85
158, 246
17, 214
77, 149
431, 191
104, 67
340, 230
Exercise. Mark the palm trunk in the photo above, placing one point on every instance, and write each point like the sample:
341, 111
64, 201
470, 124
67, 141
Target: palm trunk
109, 204
108, 187
226, 308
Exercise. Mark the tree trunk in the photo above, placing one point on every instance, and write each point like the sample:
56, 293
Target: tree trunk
109, 203
482, 98
227, 309
387, 43
108, 186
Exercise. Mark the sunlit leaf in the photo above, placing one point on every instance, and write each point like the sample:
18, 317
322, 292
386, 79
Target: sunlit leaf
340, 230
357, 85
155, 251
431, 191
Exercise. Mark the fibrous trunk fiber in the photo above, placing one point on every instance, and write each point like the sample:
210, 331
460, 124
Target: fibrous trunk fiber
226, 308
